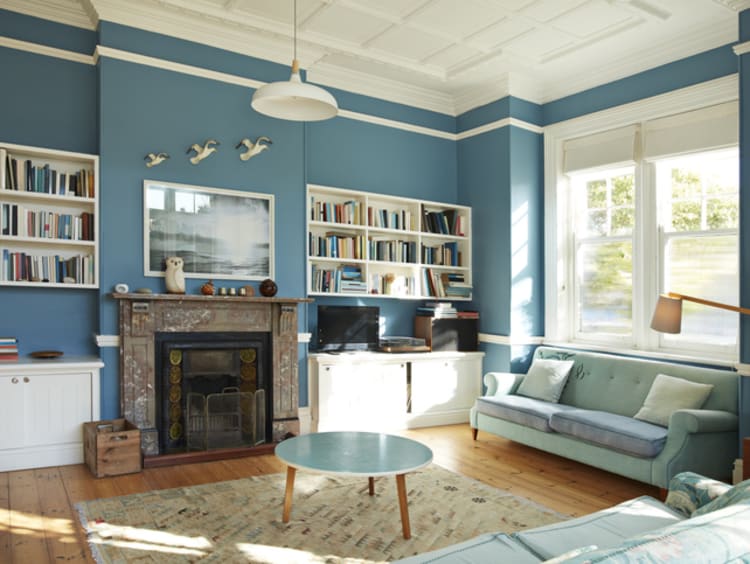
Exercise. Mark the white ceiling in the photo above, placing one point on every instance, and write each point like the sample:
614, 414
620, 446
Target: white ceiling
444, 55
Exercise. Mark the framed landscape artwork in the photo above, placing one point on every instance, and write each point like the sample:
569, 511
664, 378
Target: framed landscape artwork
218, 233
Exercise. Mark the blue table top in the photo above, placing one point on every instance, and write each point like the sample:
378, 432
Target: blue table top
354, 453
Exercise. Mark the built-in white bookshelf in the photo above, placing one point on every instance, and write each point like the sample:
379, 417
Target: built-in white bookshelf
49, 217
366, 244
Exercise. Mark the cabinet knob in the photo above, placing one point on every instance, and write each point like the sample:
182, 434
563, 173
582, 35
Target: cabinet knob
26, 379
14, 380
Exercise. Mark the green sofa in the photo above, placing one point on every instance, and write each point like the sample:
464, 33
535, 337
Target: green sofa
593, 420
702, 520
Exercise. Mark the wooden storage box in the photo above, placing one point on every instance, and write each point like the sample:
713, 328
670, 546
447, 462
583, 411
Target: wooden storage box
112, 447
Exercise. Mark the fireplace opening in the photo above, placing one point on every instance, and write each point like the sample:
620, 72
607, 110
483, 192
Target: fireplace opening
213, 390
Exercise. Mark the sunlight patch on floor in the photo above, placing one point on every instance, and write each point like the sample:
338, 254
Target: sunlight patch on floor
149, 540
21, 523
264, 554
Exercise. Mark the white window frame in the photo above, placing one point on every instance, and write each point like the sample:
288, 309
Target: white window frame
559, 327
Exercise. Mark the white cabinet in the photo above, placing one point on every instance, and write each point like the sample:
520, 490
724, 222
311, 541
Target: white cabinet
382, 392
367, 244
48, 218
43, 405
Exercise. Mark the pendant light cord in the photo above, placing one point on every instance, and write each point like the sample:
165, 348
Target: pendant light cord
295, 29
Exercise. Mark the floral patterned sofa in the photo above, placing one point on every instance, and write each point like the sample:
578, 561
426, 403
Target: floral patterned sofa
702, 520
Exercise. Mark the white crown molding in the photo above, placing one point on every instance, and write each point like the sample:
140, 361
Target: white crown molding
63, 12
393, 90
19, 45
693, 43
736, 5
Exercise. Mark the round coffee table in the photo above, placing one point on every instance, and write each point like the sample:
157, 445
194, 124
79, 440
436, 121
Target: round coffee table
354, 453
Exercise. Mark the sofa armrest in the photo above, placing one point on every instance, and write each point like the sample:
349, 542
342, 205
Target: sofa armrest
501, 383
689, 491
703, 421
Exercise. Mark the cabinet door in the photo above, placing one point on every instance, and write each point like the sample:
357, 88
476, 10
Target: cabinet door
444, 385
361, 396
11, 412
55, 407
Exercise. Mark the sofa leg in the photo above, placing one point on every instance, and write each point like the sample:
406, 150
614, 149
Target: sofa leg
663, 494
474, 433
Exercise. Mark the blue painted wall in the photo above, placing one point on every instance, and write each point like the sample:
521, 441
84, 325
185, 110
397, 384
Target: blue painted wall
121, 111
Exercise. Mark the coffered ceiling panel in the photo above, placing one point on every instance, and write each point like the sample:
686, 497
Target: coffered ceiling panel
443, 55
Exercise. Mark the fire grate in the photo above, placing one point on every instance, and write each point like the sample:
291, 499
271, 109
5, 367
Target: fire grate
226, 420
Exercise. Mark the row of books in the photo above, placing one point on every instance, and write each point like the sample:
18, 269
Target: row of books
349, 213
8, 348
346, 280
389, 219
445, 254
24, 175
19, 221
445, 222
390, 284
337, 245
445, 284
393, 250
22, 267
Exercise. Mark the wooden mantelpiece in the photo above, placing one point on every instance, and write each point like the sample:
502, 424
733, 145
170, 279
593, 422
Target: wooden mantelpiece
144, 315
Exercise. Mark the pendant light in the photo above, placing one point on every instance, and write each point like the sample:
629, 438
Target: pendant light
293, 99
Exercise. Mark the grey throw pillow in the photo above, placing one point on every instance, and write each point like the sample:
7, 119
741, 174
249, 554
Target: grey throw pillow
668, 394
545, 379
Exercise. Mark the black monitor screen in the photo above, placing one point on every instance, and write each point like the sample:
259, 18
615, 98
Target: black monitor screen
348, 328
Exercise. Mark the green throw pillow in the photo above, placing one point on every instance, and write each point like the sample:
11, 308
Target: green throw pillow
545, 379
668, 394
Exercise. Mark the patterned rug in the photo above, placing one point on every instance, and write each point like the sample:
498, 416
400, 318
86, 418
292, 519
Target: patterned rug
333, 520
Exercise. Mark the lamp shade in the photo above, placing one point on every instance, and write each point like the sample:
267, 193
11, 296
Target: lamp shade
667, 315
294, 100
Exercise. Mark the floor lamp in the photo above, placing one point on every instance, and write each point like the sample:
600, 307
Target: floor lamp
668, 311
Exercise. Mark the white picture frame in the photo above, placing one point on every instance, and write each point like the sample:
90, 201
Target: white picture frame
219, 233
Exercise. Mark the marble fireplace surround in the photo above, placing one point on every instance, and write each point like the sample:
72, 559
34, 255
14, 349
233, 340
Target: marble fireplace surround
144, 315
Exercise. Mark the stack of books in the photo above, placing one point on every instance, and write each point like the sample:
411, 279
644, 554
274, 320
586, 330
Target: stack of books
437, 309
8, 348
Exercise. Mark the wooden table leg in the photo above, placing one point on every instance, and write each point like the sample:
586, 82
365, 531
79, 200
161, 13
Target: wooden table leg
403, 504
371, 485
290, 473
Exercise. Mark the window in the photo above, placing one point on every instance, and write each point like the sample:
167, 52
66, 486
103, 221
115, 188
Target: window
646, 208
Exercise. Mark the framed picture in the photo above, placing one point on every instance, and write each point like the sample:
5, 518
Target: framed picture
218, 233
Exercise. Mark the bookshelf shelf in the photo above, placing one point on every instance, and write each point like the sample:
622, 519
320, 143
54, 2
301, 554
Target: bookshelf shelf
49, 212
387, 243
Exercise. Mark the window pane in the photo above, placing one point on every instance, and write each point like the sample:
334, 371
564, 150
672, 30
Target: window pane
605, 203
703, 191
605, 287
704, 267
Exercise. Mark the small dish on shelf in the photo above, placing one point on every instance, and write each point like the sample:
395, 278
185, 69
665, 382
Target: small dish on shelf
46, 354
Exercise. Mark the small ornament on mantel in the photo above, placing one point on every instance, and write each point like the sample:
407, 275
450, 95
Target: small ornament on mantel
174, 277
268, 288
208, 288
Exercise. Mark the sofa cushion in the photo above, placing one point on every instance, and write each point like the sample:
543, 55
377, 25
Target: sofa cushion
518, 409
668, 394
736, 494
719, 536
618, 432
606, 528
489, 548
545, 379
688, 491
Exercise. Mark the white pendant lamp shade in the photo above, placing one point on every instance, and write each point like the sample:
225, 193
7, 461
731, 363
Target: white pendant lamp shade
294, 100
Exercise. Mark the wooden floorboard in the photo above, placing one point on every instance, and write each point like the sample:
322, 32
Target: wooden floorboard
39, 523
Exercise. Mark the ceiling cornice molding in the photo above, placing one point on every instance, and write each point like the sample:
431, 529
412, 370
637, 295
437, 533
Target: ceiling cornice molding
693, 43
736, 5
67, 13
378, 87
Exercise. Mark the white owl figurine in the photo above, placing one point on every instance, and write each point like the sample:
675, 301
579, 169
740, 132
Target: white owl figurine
174, 277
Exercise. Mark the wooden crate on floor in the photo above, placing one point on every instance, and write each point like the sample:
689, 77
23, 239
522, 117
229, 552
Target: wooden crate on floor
112, 447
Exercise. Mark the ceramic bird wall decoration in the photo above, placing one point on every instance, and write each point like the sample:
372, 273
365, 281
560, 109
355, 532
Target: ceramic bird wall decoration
154, 159
202, 151
253, 147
